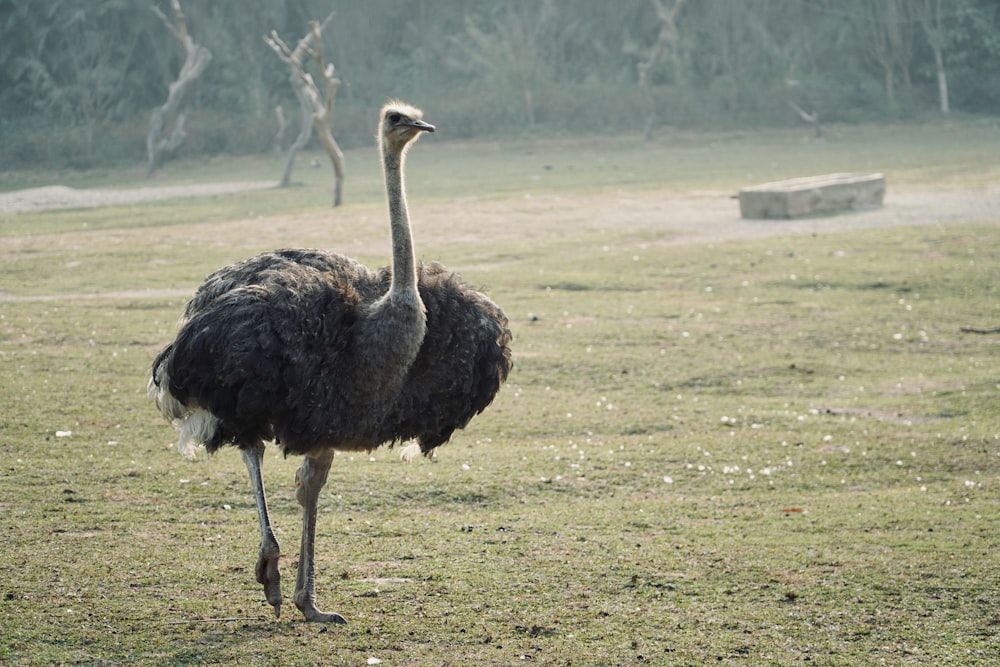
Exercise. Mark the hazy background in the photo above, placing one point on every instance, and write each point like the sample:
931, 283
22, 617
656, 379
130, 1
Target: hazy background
79, 78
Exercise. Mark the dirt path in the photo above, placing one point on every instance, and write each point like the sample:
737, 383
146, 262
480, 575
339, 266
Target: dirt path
706, 216
683, 218
690, 217
60, 196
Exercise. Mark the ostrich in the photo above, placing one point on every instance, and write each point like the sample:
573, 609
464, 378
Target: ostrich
318, 353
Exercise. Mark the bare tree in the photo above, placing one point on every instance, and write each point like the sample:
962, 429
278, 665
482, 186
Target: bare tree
667, 39
195, 61
316, 109
929, 14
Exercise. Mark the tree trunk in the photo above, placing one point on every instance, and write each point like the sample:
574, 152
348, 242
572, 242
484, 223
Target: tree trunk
314, 110
323, 111
336, 160
648, 101
279, 136
305, 131
890, 86
811, 118
930, 20
196, 60
321, 120
666, 39
942, 79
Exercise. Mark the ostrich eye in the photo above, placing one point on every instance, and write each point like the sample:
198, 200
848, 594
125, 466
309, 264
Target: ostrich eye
394, 117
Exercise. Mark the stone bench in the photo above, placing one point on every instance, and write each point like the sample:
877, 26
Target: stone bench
812, 195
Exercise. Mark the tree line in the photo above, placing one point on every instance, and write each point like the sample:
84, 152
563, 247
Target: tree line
79, 79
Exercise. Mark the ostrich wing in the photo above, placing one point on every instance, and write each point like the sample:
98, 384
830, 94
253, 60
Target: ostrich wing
463, 361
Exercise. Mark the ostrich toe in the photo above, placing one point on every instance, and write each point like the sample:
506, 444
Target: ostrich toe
314, 615
267, 574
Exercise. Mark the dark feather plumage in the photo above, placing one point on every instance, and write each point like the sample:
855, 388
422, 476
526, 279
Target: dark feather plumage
268, 347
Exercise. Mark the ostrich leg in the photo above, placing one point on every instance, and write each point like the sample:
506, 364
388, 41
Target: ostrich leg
267, 559
309, 480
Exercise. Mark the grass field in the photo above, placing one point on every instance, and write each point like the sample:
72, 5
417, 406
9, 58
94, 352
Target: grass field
772, 450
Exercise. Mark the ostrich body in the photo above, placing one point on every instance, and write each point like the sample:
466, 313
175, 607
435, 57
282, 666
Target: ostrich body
318, 353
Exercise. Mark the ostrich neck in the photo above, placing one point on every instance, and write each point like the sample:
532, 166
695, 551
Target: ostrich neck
391, 332
403, 264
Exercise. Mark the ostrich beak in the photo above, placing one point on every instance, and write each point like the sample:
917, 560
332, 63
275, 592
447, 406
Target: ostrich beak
421, 125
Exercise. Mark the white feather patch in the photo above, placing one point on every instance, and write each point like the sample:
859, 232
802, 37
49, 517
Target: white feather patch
410, 452
196, 428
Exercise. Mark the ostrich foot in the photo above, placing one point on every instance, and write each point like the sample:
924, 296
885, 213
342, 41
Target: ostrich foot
314, 615
267, 574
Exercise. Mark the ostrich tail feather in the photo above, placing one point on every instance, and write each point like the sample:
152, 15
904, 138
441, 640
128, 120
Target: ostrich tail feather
409, 452
196, 429
197, 426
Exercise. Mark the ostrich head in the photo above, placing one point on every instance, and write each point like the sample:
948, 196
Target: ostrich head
399, 124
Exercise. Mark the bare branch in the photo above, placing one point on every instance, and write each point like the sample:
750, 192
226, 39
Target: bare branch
171, 26
811, 118
279, 47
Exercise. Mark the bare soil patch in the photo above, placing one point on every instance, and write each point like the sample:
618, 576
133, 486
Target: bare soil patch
60, 196
699, 216
689, 217
683, 218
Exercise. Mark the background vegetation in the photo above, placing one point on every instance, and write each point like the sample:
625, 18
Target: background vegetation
79, 78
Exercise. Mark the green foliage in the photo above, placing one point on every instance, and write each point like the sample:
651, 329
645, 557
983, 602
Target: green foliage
974, 55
